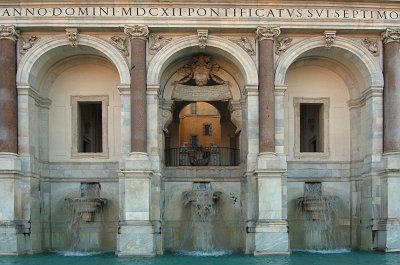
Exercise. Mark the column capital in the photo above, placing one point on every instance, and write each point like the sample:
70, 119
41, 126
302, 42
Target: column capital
391, 35
9, 32
137, 31
267, 33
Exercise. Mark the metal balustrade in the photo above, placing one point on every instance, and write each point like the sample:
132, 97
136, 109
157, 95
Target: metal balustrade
201, 156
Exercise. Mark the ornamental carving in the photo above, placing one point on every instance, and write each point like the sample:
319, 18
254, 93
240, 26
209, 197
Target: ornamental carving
282, 44
330, 37
246, 44
136, 31
8, 32
157, 42
27, 44
371, 45
203, 36
121, 44
391, 35
201, 71
73, 36
267, 33
201, 81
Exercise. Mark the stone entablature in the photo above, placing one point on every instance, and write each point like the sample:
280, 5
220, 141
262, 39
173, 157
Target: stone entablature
371, 16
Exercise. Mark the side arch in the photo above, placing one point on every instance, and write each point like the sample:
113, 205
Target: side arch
357, 55
42, 49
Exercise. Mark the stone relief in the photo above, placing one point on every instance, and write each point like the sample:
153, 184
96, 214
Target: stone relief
203, 36
121, 44
201, 81
27, 44
330, 37
8, 32
157, 42
246, 44
282, 44
201, 70
371, 45
73, 36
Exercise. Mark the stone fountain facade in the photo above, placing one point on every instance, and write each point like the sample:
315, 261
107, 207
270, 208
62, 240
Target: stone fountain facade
306, 92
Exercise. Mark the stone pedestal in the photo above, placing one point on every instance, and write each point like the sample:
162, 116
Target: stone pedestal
271, 228
136, 232
386, 228
14, 231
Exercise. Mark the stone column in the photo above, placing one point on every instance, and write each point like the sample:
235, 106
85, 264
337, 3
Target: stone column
391, 72
12, 223
386, 219
270, 229
266, 70
138, 37
137, 235
8, 90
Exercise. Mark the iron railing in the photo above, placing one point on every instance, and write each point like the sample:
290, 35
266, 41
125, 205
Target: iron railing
201, 156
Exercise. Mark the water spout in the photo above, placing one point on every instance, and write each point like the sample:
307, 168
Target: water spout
83, 210
202, 200
319, 213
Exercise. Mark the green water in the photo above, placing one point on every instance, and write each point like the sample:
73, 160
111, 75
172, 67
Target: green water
297, 258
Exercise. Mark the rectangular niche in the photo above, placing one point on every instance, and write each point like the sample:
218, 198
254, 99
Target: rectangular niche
89, 126
311, 127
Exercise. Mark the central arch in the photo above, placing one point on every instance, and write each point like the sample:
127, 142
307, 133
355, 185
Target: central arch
228, 49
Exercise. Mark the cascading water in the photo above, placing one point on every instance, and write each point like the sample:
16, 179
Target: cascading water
318, 213
83, 210
202, 200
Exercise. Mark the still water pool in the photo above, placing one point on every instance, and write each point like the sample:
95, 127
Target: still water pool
185, 258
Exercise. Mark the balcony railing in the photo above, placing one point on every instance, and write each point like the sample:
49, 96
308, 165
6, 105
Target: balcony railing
201, 156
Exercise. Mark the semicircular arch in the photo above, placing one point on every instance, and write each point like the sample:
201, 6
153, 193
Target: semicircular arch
228, 49
355, 55
38, 55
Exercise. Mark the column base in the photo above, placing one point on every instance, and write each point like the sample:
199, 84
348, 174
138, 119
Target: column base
138, 161
135, 239
271, 238
270, 162
10, 162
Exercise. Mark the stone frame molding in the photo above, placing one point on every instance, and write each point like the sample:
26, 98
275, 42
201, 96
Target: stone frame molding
296, 149
74, 126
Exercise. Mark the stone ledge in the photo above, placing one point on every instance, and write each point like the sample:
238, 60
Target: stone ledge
10, 162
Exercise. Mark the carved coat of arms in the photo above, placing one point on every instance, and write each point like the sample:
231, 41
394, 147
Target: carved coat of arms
201, 70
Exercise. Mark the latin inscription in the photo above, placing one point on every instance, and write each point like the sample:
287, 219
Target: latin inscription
203, 12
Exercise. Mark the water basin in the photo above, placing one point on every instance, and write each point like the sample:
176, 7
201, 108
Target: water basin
193, 258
